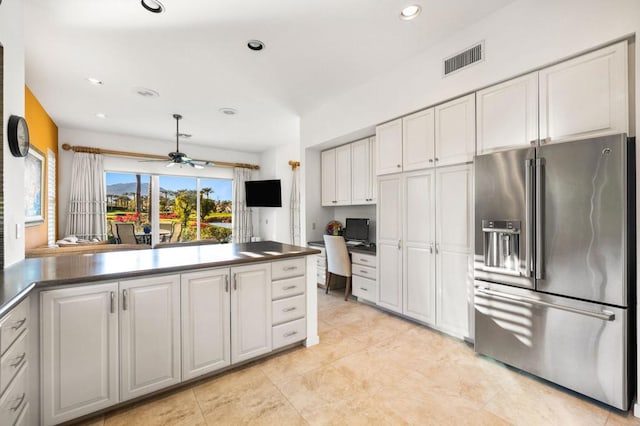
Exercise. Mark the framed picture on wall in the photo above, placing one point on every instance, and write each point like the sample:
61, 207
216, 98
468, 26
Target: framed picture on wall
33, 184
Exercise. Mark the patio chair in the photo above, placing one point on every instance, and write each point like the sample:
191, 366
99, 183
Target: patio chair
126, 233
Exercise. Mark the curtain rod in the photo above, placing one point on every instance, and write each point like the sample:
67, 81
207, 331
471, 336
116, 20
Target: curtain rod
91, 150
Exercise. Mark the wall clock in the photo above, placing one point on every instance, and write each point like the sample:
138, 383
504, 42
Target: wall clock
18, 135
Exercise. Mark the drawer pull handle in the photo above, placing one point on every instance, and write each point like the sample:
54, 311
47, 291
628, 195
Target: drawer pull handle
363, 260
19, 360
364, 289
112, 302
290, 268
226, 283
363, 272
19, 324
289, 334
293, 308
289, 287
125, 302
20, 401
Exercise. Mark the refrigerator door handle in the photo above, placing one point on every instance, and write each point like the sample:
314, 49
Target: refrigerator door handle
529, 216
604, 315
539, 219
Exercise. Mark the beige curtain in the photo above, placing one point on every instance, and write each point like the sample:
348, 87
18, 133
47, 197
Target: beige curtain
87, 213
242, 228
294, 206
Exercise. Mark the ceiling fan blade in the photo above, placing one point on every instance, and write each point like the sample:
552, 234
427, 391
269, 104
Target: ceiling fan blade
152, 161
170, 164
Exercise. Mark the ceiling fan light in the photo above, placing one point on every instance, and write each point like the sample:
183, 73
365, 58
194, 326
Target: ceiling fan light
170, 164
197, 166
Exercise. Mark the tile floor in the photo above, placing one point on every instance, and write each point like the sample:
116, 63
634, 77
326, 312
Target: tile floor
370, 368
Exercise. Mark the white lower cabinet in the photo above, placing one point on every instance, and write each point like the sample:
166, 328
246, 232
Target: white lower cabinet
250, 311
206, 322
149, 335
79, 350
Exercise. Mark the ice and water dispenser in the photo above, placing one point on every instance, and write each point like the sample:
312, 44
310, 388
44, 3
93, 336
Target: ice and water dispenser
501, 245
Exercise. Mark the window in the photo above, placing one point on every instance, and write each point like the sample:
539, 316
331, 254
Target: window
189, 208
51, 197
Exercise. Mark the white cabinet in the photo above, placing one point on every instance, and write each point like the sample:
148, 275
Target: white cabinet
79, 349
389, 147
389, 247
363, 269
363, 187
424, 246
149, 335
250, 311
206, 321
455, 131
454, 277
586, 96
336, 176
418, 246
507, 114
418, 140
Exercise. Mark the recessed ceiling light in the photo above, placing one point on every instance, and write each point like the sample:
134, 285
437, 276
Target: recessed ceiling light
146, 93
410, 12
228, 111
255, 45
95, 81
153, 6
101, 115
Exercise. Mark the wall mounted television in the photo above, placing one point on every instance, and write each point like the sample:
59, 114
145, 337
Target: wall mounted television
263, 193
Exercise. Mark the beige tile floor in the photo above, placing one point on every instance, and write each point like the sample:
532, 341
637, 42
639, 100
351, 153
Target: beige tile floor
370, 368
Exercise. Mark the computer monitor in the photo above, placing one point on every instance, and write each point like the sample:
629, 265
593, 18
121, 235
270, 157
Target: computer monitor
356, 229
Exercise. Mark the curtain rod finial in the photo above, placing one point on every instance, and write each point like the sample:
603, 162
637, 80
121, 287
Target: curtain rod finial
294, 164
66, 146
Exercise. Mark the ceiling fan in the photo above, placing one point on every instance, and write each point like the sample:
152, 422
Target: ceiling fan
181, 158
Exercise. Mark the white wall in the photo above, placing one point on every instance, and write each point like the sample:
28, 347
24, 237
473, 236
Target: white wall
275, 221
132, 165
12, 39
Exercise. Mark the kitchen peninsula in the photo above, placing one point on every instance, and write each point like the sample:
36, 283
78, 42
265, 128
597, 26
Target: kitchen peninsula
121, 325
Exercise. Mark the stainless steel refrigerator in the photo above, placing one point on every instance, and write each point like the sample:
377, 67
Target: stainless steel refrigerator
554, 263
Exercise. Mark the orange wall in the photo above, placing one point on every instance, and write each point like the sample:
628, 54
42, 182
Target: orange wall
43, 133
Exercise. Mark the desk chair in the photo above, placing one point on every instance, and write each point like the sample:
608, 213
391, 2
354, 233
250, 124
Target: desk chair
126, 233
338, 262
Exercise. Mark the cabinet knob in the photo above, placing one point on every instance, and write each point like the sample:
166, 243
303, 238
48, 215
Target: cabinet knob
399, 165
437, 159
545, 140
534, 142
431, 160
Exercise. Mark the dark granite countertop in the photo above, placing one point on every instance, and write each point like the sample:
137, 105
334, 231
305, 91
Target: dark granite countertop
366, 248
19, 279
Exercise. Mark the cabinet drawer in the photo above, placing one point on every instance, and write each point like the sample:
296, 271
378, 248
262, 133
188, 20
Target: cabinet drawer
364, 288
13, 324
363, 271
363, 259
14, 400
12, 361
288, 309
288, 287
288, 268
288, 333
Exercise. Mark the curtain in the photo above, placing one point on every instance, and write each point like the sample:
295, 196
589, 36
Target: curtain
242, 221
87, 213
294, 208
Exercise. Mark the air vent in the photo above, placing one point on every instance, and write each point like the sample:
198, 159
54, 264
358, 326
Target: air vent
464, 59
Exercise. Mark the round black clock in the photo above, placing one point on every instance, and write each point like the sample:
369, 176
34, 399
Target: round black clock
18, 135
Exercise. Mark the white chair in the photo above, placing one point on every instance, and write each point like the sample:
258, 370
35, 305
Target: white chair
338, 262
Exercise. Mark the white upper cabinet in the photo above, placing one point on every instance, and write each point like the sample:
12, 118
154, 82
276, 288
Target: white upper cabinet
456, 131
418, 138
389, 147
507, 114
343, 175
361, 172
328, 159
586, 96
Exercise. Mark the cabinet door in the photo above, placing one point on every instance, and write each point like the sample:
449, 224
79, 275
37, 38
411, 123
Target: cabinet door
585, 96
456, 131
250, 311
389, 147
373, 181
343, 175
418, 137
454, 273
418, 254
206, 321
329, 177
149, 334
507, 114
79, 351
360, 172
389, 251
